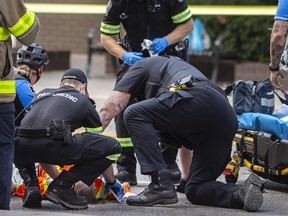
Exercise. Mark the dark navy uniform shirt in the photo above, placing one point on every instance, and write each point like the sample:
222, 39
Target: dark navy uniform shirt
65, 103
144, 79
144, 19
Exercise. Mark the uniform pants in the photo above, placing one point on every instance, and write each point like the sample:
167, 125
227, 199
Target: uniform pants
206, 122
127, 160
7, 128
90, 153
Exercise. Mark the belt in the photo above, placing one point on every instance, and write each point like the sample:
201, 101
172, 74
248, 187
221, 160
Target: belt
190, 85
42, 132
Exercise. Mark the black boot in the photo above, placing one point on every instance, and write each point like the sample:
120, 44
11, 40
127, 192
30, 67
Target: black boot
60, 191
175, 172
32, 195
160, 191
249, 196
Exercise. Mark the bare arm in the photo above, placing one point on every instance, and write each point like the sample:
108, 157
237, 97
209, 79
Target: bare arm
111, 45
180, 32
277, 45
278, 41
113, 105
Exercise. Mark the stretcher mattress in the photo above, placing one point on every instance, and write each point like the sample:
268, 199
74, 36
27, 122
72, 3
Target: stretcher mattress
264, 122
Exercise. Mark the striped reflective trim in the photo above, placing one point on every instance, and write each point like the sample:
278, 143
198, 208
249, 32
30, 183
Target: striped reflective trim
125, 142
113, 157
4, 34
23, 24
182, 17
7, 87
110, 29
267, 102
94, 130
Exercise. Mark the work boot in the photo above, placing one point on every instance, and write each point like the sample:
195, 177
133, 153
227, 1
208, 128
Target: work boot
181, 187
249, 196
32, 195
124, 176
160, 191
175, 172
60, 191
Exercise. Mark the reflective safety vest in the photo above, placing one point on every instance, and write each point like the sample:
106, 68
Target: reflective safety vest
15, 20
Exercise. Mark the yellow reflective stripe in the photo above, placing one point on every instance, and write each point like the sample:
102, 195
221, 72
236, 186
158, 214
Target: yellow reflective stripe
94, 130
7, 87
23, 24
125, 142
181, 17
4, 34
113, 157
110, 29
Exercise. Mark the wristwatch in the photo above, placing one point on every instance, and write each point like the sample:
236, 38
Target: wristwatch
273, 68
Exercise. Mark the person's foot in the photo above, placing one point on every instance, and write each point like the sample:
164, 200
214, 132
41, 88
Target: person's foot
154, 194
181, 187
124, 176
116, 189
175, 172
32, 196
250, 195
65, 196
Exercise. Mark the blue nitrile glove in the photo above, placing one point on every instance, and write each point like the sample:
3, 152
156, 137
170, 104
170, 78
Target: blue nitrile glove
131, 57
116, 189
158, 45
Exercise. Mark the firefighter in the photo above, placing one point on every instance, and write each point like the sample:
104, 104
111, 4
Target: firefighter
165, 24
45, 136
15, 19
188, 110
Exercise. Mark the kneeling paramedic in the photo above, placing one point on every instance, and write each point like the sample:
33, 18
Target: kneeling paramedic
185, 108
45, 136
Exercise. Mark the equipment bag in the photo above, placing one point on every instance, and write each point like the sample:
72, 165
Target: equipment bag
252, 96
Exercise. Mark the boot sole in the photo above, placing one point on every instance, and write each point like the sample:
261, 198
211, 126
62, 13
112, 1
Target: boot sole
253, 198
53, 198
32, 200
161, 202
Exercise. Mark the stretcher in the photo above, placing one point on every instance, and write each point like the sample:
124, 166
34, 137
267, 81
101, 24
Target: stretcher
261, 146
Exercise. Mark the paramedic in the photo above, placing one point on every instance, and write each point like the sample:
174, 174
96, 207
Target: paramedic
45, 136
187, 109
15, 19
166, 24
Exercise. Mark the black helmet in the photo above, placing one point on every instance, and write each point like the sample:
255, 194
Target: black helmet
33, 55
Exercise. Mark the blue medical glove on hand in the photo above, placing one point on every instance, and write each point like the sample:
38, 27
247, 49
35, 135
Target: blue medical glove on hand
158, 45
131, 57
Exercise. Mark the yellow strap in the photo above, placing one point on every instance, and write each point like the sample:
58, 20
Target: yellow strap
7, 87
23, 24
4, 34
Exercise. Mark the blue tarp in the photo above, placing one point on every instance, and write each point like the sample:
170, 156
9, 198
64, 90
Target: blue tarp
264, 122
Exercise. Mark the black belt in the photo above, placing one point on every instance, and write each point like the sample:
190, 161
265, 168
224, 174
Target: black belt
42, 132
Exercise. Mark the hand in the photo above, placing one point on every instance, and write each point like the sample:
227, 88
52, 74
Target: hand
274, 79
158, 45
131, 57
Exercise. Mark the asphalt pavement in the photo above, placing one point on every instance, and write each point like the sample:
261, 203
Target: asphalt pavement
99, 87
